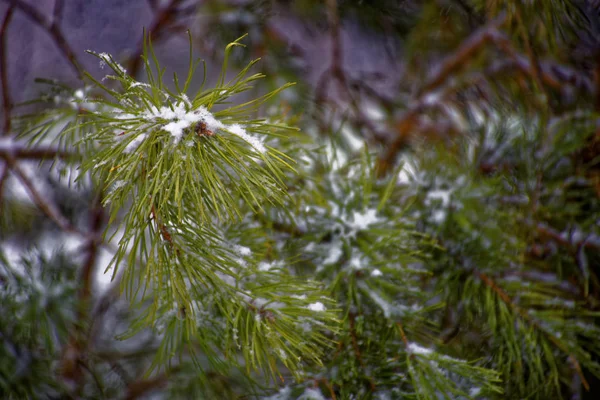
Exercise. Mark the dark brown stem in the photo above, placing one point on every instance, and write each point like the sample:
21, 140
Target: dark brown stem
164, 232
72, 359
48, 208
328, 385
139, 389
34, 153
544, 73
161, 20
6, 102
355, 341
3, 179
462, 55
53, 30
57, 12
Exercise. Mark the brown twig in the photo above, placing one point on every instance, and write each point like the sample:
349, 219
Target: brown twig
462, 55
72, 360
536, 70
48, 208
448, 67
336, 42
6, 102
53, 29
549, 232
164, 232
546, 73
355, 341
3, 179
92, 249
336, 71
328, 385
402, 334
57, 11
162, 18
139, 389
20, 152
356, 348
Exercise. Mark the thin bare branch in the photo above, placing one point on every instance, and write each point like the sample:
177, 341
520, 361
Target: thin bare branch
164, 16
53, 30
463, 55
3, 179
432, 93
141, 388
71, 363
21, 152
6, 102
57, 12
47, 207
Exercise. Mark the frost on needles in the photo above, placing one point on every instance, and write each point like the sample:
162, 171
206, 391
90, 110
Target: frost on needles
177, 172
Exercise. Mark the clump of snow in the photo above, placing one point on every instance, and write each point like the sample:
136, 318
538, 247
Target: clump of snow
335, 252
181, 119
363, 220
136, 84
443, 195
267, 266
311, 394
283, 394
318, 306
263, 266
417, 349
439, 216
356, 263
240, 132
376, 273
242, 250
282, 354
176, 129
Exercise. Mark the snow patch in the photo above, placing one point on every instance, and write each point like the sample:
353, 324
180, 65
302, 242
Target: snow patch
417, 349
361, 221
311, 394
240, 132
318, 306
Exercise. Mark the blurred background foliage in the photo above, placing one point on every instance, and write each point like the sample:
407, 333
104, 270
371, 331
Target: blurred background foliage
446, 196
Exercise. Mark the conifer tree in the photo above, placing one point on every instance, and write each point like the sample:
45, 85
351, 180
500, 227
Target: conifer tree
310, 248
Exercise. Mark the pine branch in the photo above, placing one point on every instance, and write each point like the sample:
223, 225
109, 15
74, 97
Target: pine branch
523, 314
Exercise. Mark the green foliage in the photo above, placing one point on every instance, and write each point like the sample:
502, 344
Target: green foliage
39, 291
177, 177
261, 262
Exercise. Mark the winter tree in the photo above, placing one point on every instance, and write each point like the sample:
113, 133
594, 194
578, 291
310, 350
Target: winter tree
298, 228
